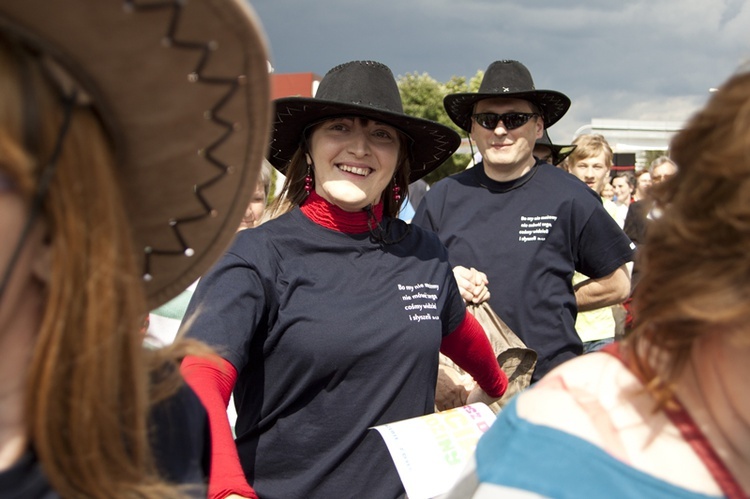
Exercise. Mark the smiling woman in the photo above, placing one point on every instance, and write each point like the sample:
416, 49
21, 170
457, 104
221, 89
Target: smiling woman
354, 159
321, 314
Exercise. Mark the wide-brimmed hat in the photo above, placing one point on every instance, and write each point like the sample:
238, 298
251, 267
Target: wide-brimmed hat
507, 79
182, 88
559, 152
361, 88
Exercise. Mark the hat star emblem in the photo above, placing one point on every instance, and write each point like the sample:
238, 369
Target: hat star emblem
506, 89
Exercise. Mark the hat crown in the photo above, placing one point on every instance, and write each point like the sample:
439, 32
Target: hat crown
506, 76
362, 83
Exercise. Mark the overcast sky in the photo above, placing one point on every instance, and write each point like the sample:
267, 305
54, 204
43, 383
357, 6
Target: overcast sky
624, 59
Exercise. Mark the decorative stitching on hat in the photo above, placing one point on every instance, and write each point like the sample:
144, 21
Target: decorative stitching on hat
289, 113
206, 49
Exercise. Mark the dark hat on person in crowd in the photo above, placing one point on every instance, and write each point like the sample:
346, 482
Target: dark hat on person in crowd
559, 152
507, 79
359, 88
182, 89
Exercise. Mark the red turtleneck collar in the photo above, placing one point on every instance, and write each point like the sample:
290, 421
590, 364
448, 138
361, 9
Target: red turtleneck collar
332, 217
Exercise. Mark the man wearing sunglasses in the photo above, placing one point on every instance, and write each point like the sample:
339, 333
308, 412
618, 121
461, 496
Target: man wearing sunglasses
517, 228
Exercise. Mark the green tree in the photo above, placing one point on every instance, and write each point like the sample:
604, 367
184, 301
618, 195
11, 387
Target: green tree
423, 96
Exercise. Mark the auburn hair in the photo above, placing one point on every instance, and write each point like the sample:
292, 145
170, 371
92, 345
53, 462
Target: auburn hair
696, 258
88, 391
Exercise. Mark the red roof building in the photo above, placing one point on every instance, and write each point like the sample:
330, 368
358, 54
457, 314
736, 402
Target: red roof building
294, 85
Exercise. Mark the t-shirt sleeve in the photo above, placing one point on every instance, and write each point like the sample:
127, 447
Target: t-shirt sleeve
424, 216
227, 308
602, 246
455, 306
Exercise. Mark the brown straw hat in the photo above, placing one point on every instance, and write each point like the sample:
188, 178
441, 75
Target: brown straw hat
361, 88
507, 79
182, 89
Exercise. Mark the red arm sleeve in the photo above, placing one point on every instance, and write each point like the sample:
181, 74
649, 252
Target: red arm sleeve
213, 380
469, 347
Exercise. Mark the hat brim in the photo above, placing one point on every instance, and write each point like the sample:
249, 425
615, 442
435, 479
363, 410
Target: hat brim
552, 105
431, 143
183, 90
560, 152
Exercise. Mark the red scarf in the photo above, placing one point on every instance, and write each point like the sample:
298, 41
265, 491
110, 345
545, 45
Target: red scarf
332, 217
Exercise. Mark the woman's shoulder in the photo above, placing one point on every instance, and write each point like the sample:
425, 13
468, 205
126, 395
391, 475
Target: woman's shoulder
597, 399
585, 388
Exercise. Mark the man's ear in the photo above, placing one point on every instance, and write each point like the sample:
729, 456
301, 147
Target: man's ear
539, 127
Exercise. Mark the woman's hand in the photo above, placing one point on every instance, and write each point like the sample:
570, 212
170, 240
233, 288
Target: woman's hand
472, 284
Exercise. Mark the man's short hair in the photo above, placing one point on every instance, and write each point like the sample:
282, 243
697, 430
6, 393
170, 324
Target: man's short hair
588, 145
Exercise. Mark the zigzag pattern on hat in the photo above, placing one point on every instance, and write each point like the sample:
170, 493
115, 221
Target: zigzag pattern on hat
441, 144
205, 48
290, 111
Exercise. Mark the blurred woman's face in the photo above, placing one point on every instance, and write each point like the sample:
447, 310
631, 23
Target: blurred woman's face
22, 286
255, 208
622, 188
12, 216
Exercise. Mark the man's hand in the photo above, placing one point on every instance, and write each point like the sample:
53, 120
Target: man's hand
472, 284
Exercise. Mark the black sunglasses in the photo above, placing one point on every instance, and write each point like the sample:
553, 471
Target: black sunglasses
511, 121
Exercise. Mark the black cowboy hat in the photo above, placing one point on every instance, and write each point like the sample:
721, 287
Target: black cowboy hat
182, 88
559, 152
507, 79
361, 88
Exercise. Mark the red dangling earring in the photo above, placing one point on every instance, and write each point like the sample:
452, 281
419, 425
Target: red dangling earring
396, 191
308, 181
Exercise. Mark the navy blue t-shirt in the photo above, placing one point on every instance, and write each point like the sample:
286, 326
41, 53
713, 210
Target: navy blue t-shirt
330, 334
528, 235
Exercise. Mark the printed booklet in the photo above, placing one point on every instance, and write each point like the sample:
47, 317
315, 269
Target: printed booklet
431, 451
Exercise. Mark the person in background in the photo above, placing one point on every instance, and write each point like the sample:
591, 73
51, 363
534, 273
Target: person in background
100, 221
624, 185
608, 192
591, 162
517, 228
640, 215
665, 412
330, 316
257, 206
642, 184
548, 152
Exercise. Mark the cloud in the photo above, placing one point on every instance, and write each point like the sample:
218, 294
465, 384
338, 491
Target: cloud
639, 59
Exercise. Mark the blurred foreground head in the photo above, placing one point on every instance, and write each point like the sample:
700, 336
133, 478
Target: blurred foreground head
697, 254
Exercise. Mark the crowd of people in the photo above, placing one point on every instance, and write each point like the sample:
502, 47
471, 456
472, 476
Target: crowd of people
200, 339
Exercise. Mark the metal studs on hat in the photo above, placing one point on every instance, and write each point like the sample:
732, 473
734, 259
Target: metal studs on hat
197, 76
